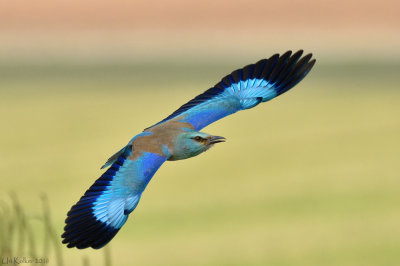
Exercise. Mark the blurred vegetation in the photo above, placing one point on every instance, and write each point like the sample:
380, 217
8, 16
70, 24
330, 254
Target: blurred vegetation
21, 236
310, 178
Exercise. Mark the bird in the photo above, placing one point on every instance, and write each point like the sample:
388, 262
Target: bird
105, 207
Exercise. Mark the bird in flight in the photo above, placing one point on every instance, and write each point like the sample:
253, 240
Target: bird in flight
104, 208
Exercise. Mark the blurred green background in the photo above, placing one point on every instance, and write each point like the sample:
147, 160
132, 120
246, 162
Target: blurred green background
310, 178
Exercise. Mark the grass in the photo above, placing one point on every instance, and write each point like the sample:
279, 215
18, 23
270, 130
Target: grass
23, 233
21, 238
310, 178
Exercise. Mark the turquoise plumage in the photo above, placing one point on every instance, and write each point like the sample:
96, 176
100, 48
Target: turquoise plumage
96, 218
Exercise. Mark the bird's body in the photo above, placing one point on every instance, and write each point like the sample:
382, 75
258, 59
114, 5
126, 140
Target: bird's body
165, 138
104, 208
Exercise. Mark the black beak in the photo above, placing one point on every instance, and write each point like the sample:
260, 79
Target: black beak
216, 139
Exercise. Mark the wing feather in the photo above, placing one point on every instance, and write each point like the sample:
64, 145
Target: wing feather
97, 217
245, 88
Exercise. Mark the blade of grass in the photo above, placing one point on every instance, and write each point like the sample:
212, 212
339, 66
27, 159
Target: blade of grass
49, 230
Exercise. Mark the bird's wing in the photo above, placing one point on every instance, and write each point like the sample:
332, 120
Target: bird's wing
104, 208
245, 88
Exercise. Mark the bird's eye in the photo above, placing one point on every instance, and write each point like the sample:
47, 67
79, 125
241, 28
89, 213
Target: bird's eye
197, 138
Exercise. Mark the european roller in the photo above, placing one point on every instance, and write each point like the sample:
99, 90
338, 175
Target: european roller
104, 208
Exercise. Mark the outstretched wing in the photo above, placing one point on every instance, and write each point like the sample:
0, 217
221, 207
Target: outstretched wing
245, 88
105, 207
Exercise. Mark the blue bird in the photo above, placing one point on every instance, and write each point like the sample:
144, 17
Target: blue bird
101, 212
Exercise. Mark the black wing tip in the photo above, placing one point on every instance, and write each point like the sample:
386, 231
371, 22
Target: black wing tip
281, 68
294, 71
89, 232
312, 62
82, 228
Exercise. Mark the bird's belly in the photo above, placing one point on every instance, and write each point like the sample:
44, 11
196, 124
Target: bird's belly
182, 154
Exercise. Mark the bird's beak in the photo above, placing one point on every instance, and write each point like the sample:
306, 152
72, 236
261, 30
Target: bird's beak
216, 139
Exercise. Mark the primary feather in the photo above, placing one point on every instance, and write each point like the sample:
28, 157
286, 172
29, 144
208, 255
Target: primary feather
245, 88
106, 205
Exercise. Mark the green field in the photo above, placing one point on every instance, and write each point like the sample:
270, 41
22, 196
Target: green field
310, 178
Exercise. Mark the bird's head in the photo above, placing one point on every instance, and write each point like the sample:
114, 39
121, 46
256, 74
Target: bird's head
189, 144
